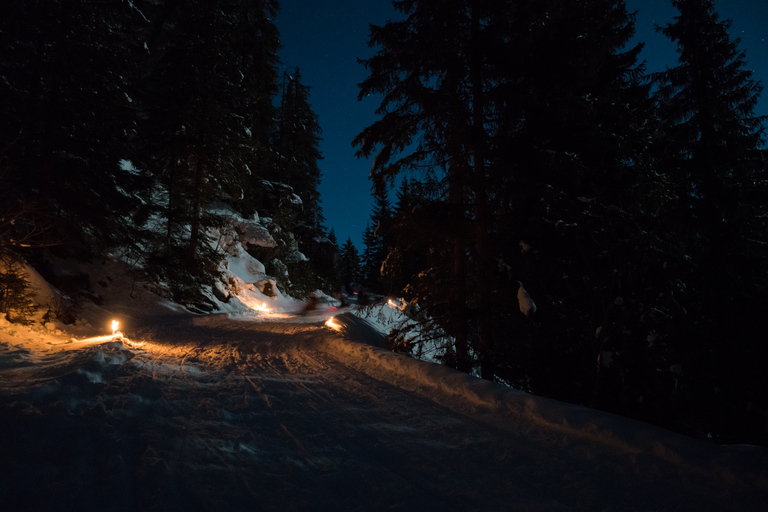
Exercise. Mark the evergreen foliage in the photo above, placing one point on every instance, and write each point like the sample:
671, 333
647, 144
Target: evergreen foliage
715, 163
127, 120
483, 125
570, 216
203, 108
429, 70
298, 142
546, 162
376, 238
539, 167
66, 109
350, 263
16, 294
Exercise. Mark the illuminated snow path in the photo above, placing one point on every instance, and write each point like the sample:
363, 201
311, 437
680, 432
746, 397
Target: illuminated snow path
217, 414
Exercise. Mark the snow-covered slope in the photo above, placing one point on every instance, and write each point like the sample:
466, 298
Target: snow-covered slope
270, 410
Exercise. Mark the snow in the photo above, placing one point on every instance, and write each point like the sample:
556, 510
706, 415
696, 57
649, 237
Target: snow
127, 165
275, 410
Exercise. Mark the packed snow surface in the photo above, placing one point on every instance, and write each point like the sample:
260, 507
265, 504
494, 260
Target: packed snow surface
272, 410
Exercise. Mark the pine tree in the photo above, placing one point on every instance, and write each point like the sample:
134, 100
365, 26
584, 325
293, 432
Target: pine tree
203, 98
377, 239
714, 161
350, 263
496, 100
713, 135
369, 269
567, 162
430, 70
404, 258
16, 293
406, 196
332, 238
298, 145
65, 100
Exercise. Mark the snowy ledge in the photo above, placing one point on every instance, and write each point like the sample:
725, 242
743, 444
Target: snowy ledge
359, 345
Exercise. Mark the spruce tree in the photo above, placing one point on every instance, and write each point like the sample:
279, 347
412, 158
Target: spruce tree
208, 73
299, 153
65, 98
377, 239
568, 160
332, 238
369, 270
430, 70
714, 161
350, 263
404, 257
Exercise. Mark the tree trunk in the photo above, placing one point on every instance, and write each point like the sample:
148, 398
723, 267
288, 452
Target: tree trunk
458, 288
196, 221
482, 213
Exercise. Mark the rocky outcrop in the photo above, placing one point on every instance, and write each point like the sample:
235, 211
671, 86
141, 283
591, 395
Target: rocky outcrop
246, 234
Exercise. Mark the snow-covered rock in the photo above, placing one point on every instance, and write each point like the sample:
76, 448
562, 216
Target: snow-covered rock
253, 233
527, 306
295, 257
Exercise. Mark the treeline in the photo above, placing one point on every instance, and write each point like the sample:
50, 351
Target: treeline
123, 121
566, 222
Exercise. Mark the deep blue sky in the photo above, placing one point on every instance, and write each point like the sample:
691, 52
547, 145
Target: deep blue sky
324, 38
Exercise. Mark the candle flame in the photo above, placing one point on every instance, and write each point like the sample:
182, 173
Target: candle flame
115, 326
263, 307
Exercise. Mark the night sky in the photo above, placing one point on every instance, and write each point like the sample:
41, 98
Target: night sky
324, 39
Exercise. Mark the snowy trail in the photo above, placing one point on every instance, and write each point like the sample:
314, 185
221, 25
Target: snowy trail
219, 414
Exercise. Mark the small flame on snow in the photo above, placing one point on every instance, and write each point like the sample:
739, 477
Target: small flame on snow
399, 307
263, 307
115, 326
333, 325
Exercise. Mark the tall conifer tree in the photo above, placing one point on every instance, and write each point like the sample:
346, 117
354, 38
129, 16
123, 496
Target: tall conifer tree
350, 263
377, 240
430, 69
65, 101
298, 142
714, 161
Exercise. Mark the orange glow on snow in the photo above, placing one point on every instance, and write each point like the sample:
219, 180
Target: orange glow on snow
333, 325
393, 305
263, 307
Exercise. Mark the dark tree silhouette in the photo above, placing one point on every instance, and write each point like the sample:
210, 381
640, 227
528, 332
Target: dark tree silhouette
713, 158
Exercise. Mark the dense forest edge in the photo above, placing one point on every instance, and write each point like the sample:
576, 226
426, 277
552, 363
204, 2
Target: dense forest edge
549, 214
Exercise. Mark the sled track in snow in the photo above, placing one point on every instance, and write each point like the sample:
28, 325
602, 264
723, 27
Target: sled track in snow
210, 413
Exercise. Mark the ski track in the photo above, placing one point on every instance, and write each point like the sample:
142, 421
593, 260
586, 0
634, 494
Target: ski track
218, 414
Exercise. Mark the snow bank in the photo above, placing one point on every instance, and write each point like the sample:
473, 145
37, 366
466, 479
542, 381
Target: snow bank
359, 345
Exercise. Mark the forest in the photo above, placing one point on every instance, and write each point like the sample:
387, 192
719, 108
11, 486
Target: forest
551, 216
